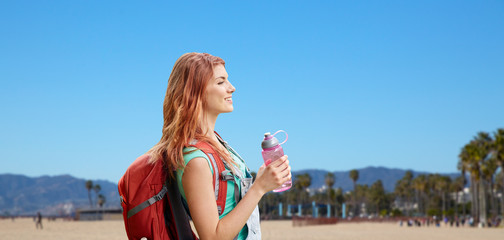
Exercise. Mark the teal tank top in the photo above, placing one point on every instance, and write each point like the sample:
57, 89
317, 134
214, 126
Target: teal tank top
191, 153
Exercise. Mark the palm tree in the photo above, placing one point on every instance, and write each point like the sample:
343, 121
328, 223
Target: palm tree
442, 185
498, 147
89, 186
304, 181
339, 198
500, 186
362, 193
329, 180
97, 189
354, 175
468, 164
488, 169
476, 157
404, 190
461, 167
301, 183
101, 200
420, 186
377, 196
483, 143
498, 154
457, 186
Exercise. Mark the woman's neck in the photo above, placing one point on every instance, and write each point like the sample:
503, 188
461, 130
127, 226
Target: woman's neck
209, 127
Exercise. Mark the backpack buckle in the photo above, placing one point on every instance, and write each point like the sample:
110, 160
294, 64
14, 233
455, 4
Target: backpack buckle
157, 198
225, 176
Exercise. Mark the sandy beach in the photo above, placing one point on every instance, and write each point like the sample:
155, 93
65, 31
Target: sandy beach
112, 230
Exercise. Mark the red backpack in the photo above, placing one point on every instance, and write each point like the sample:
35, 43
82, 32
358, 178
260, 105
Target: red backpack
148, 213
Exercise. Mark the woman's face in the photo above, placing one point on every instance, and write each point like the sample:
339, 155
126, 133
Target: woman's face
218, 92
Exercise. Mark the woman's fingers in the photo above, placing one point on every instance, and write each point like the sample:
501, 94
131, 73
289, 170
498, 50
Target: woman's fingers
280, 161
283, 169
286, 165
288, 176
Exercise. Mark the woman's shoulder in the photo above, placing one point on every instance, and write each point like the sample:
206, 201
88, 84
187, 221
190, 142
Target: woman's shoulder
192, 152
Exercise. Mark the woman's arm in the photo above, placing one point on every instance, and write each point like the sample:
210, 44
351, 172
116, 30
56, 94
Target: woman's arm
198, 186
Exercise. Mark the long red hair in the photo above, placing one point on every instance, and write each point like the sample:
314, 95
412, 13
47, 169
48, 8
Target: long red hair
183, 109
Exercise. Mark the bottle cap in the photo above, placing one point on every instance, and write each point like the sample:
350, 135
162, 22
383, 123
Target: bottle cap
269, 141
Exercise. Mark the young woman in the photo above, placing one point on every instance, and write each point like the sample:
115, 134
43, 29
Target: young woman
198, 91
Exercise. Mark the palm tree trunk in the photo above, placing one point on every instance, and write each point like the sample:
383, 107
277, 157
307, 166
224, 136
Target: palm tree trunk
463, 205
444, 203
482, 203
355, 200
456, 205
425, 202
410, 205
420, 203
471, 191
502, 200
474, 199
477, 201
502, 195
336, 206
464, 198
90, 202
493, 204
417, 200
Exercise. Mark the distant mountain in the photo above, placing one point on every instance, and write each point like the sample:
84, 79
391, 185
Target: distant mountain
368, 175
52, 195
61, 195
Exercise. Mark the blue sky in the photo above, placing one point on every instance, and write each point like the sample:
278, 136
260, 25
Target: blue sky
401, 84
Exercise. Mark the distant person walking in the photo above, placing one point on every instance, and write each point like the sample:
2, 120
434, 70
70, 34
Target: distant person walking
39, 221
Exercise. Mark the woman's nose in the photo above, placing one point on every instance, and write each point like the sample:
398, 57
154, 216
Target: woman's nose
231, 88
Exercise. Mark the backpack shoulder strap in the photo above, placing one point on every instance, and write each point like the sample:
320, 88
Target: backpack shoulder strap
219, 174
178, 212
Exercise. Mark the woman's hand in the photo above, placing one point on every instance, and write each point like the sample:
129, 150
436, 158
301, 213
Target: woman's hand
274, 175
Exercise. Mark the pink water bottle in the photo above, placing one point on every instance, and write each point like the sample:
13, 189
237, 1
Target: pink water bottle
272, 151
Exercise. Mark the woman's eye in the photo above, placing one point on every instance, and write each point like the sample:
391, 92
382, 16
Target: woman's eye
220, 82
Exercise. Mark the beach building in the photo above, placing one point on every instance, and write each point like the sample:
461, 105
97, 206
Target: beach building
463, 196
93, 214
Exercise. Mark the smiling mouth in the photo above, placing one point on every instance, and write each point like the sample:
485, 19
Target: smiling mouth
229, 99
